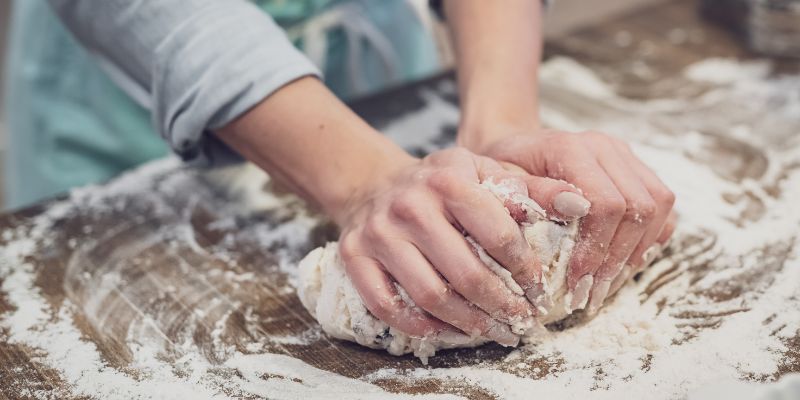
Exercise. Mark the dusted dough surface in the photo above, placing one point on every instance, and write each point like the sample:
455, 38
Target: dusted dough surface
329, 295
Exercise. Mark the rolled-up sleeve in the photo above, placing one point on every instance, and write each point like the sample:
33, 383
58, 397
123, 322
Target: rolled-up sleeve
195, 64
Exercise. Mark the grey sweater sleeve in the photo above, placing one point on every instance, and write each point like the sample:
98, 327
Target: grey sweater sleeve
195, 64
438, 7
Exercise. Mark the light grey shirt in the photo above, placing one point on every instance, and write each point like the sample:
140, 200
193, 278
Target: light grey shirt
195, 64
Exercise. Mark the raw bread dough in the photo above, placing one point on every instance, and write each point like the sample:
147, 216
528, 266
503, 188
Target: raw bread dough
328, 294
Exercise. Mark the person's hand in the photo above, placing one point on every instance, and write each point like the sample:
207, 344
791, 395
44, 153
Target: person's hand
409, 227
399, 214
629, 218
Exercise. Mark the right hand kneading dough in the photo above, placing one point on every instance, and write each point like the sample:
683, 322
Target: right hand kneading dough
328, 294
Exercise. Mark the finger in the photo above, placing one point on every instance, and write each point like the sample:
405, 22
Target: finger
639, 212
485, 219
513, 195
505, 181
663, 240
451, 255
664, 200
429, 292
620, 279
668, 229
382, 299
559, 199
597, 228
657, 248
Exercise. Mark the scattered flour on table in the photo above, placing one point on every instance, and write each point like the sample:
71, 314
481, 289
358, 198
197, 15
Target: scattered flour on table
80, 363
723, 306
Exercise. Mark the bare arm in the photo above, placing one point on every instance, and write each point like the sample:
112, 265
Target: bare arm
498, 48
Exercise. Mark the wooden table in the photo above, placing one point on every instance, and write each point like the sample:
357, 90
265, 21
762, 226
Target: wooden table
173, 258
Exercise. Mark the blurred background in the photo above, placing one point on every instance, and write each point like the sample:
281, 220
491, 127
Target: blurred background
5, 8
563, 17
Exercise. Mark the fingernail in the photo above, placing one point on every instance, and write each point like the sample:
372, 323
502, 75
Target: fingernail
599, 294
616, 271
502, 334
581, 293
571, 204
449, 336
621, 278
650, 254
539, 298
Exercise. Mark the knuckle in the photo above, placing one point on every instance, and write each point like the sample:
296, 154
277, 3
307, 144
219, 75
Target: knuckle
611, 207
503, 239
444, 157
348, 246
600, 136
376, 228
593, 135
641, 212
435, 158
513, 307
445, 182
431, 298
665, 196
409, 208
383, 308
458, 152
507, 237
469, 280
526, 276
562, 141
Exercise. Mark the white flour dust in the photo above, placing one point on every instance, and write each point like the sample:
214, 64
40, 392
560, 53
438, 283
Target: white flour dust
80, 364
723, 305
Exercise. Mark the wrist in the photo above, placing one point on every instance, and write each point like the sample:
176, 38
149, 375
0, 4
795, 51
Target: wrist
498, 48
308, 140
493, 109
480, 135
345, 194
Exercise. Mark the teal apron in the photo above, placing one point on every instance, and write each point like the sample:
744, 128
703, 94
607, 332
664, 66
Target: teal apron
70, 125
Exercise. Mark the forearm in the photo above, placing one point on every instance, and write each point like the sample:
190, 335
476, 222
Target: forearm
303, 136
195, 64
498, 49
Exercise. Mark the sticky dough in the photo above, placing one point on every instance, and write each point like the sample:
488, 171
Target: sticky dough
328, 294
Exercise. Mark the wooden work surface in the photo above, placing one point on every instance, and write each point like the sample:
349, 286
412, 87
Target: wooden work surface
145, 262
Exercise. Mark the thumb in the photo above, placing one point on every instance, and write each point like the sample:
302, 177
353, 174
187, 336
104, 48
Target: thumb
558, 198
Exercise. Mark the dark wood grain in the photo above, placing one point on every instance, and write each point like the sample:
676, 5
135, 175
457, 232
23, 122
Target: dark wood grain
134, 239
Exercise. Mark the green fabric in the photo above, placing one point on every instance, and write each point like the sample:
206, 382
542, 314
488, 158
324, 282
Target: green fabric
416, 52
289, 12
70, 125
